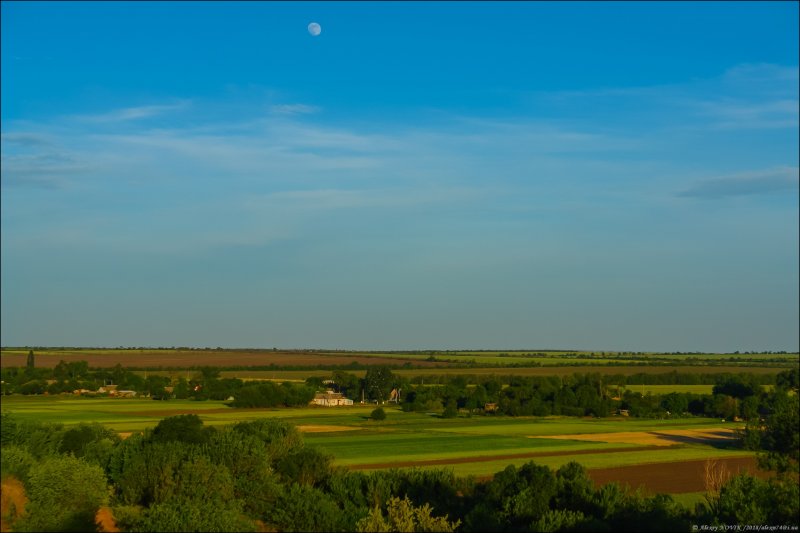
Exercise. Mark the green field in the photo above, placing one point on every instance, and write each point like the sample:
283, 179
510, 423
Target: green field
301, 375
465, 444
548, 358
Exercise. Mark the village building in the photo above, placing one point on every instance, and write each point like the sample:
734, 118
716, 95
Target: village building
330, 399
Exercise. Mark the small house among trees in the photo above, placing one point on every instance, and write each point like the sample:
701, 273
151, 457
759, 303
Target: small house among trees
330, 399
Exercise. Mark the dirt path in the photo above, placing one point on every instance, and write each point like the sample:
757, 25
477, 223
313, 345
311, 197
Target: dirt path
12, 502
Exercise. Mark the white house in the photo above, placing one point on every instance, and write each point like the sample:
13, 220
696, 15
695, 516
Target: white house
330, 399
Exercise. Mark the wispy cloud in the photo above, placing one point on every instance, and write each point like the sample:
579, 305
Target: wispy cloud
134, 113
778, 180
35, 160
742, 114
331, 199
39, 171
754, 73
25, 139
294, 109
744, 97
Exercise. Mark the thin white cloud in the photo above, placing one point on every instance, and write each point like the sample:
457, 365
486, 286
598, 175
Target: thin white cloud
133, 113
768, 181
25, 139
739, 114
761, 72
747, 96
294, 109
324, 199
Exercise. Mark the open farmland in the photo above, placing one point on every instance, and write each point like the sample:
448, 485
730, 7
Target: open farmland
226, 358
613, 449
194, 358
300, 375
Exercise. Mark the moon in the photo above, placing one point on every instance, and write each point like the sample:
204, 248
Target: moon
314, 29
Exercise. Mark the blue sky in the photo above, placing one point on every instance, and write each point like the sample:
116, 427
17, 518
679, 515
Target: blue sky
605, 176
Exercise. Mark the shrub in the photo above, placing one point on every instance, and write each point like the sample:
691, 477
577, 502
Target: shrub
65, 493
182, 428
378, 414
401, 515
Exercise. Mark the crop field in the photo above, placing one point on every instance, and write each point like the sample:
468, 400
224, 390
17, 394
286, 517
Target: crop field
613, 449
658, 455
559, 358
185, 358
300, 375
148, 358
666, 389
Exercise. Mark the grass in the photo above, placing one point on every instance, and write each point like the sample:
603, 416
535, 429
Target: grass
370, 447
606, 460
689, 499
666, 389
572, 426
402, 436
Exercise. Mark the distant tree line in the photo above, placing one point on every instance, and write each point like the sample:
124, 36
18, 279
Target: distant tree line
734, 395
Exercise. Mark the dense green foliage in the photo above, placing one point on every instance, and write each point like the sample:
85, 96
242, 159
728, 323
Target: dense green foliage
272, 395
185, 476
64, 493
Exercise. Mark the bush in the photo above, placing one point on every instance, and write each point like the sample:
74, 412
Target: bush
378, 414
401, 515
77, 439
304, 508
451, 411
65, 494
16, 461
182, 428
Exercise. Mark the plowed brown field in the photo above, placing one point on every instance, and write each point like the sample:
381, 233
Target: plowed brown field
194, 358
672, 477
488, 458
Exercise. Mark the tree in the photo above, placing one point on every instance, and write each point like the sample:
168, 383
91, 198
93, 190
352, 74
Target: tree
192, 516
247, 459
181, 389
30, 363
209, 373
574, 488
304, 508
280, 437
15, 461
65, 493
378, 382
183, 428
739, 387
743, 500
346, 383
780, 436
305, 466
77, 439
788, 379
402, 516
450, 410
